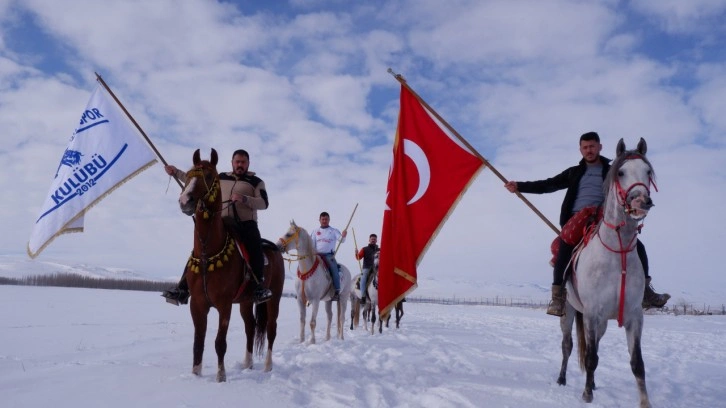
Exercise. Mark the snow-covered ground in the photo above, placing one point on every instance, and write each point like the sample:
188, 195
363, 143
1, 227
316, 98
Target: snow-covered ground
82, 347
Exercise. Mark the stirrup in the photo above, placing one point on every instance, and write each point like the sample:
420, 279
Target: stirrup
262, 295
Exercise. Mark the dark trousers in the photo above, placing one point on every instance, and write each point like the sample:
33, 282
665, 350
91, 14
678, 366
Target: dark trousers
249, 234
565, 253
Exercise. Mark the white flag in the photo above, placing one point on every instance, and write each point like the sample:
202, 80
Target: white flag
104, 152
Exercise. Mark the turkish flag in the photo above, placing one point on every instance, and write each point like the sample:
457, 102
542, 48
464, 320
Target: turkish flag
430, 172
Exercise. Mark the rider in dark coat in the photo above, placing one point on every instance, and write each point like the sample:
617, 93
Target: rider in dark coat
582, 192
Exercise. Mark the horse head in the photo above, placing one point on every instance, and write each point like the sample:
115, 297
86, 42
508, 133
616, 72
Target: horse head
291, 238
201, 192
631, 176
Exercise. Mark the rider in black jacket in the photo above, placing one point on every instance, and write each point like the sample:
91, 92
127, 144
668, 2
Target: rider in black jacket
578, 196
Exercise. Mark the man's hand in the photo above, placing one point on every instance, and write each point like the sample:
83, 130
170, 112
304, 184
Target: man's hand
238, 197
170, 170
344, 233
511, 186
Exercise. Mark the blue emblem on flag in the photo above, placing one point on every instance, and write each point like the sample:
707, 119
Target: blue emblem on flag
70, 158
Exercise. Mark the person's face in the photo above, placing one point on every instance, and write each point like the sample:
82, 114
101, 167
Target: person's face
590, 150
324, 221
372, 240
240, 164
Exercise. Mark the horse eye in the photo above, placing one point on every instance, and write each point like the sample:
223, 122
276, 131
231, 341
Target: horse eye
620, 173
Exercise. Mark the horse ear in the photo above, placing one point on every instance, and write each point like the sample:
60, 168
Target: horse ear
213, 158
292, 223
621, 147
195, 157
642, 146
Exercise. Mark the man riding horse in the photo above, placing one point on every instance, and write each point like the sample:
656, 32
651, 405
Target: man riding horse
243, 194
367, 254
584, 191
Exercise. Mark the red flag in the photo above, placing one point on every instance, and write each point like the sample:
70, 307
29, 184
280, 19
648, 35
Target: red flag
430, 172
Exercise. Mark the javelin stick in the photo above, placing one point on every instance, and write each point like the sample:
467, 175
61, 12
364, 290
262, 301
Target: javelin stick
131, 118
356, 251
346, 228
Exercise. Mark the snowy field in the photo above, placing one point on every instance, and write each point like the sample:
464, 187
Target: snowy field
82, 347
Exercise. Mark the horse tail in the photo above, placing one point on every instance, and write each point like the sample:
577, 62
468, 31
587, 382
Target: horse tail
260, 328
580, 339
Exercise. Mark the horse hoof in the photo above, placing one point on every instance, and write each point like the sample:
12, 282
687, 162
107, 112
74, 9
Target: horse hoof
587, 397
561, 381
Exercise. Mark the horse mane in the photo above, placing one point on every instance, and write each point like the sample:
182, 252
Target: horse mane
308, 242
617, 164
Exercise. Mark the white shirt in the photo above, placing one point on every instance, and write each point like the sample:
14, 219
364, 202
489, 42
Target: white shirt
325, 239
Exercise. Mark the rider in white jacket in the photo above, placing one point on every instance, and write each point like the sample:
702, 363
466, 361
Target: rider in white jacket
325, 238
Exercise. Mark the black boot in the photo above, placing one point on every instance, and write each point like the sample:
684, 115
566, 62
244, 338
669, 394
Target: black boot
180, 294
262, 294
336, 296
653, 299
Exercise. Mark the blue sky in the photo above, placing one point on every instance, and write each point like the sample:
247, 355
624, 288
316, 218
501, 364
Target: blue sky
303, 86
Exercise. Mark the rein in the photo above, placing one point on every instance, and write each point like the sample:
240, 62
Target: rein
296, 236
621, 198
206, 264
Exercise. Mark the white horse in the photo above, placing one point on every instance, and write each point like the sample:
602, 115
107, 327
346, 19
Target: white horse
608, 282
354, 302
314, 283
370, 309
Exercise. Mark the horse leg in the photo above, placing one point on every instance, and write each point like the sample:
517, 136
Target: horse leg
341, 318
373, 320
593, 333
301, 307
633, 331
352, 311
249, 321
220, 343
329, 313
566, 321
313, 319
399, 308
199, 311
273, 310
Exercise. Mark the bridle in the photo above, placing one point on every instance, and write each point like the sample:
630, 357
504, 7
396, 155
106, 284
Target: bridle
283, 242
622, 199
211, 190
622, 194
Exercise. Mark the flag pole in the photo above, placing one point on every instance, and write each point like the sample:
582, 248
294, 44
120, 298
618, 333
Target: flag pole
356, 251
98, 77
403, 82
346, 228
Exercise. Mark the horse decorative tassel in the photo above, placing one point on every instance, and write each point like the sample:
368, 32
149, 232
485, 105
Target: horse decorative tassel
229, 283
218, 260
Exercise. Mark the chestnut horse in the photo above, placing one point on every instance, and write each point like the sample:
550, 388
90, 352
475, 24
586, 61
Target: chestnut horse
218, 275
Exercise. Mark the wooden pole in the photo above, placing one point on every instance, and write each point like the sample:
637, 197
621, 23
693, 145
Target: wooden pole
98, 77
356, 250
402, 81
346, 228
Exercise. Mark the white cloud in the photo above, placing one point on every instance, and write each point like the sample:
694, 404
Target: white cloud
306, 91
684, 16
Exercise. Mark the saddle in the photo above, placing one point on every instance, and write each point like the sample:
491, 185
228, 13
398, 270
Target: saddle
577, 228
